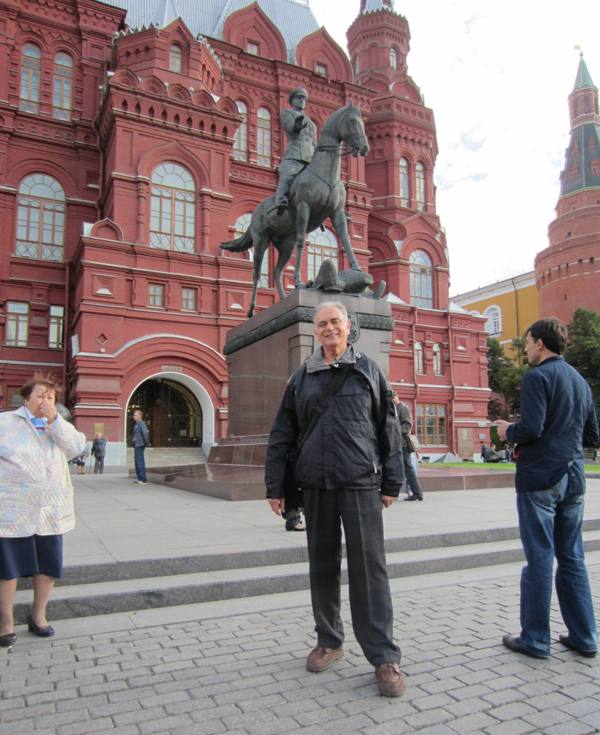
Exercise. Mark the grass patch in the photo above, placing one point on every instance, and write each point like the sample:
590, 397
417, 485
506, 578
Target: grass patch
505, 466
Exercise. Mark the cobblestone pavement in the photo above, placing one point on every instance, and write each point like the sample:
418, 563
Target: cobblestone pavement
243, 674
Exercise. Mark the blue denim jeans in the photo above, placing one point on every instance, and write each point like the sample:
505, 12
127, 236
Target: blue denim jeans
140, 463
550, 524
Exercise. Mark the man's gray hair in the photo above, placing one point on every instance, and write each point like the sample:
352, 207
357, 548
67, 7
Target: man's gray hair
336, 304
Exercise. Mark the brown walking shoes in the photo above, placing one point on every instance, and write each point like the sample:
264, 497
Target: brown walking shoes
321, 658
389, 679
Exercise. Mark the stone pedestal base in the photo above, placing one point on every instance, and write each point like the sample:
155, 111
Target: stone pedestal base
262, 353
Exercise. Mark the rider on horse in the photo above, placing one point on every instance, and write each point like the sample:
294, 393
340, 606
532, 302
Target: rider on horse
302, 140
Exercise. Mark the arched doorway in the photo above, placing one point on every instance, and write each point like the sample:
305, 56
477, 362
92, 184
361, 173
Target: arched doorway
171, 410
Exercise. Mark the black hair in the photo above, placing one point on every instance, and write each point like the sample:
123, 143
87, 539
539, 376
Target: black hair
551, 332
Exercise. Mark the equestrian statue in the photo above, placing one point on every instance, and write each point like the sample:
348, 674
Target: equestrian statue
308, 192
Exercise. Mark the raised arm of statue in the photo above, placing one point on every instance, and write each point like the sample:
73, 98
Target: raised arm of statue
289, 120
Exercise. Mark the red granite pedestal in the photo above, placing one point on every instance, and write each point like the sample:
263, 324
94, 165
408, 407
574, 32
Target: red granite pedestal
261, 355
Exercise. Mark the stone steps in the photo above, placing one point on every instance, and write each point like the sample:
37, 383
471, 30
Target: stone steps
176, 456
152, 583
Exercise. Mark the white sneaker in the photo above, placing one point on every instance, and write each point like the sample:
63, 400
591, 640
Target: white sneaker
139, 482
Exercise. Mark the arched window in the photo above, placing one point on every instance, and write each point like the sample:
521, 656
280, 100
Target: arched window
31, 71
63, 87
263, 137
420, 186
172, 223
175, 58
493, 325
437, 359
356, 65
320, 246
419, 362
241, 225
40, 218
421, 279
393, 58
404, 183
240, 139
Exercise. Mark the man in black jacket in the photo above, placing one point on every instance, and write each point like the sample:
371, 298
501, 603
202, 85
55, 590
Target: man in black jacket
406, 424
558, 419
349, 468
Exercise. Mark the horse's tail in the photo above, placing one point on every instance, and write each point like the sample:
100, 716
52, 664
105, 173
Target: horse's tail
243, 242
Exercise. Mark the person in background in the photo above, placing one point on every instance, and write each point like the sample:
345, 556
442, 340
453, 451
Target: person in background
141, 440
79, 462
349, 468
98, 453
558, 419
489, 455
36, 500
406, 424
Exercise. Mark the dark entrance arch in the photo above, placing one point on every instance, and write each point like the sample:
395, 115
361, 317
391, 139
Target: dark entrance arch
171, 410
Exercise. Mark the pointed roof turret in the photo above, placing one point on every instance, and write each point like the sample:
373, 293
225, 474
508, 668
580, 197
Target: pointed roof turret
583, 79
582, 160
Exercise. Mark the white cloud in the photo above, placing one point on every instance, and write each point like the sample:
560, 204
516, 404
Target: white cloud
497, 76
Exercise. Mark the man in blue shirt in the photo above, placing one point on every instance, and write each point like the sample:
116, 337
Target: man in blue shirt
558, 419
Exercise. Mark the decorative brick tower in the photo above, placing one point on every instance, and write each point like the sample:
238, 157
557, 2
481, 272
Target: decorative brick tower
574, 235
403, 223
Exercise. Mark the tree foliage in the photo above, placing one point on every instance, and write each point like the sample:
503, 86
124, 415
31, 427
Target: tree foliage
504, 376
583, 348
497, 362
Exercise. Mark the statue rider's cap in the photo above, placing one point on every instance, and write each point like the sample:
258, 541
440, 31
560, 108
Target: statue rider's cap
295, 92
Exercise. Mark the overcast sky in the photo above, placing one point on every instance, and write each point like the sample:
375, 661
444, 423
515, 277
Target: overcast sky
497, 76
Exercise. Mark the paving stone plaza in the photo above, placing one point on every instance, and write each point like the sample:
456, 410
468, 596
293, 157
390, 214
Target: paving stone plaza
237, 665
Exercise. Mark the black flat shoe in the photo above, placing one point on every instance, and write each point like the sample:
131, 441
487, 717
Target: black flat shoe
296, 524
568, 643
514, 643
7, 640
43, 631
414, 497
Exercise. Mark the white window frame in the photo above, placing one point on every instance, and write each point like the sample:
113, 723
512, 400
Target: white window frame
240, 139
156, 295
173, 208
62, 92
493, 324
56, 327
17, 324
421, 279
189, 296
263, 137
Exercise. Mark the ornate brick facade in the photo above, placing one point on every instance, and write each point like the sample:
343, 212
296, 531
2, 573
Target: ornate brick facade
128, 154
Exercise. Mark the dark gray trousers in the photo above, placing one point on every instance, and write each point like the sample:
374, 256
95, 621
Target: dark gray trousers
360, 512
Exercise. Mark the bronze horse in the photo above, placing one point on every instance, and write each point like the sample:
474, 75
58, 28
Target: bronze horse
315, 194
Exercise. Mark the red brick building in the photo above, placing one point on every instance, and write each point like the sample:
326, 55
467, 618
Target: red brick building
133, 143
568, 271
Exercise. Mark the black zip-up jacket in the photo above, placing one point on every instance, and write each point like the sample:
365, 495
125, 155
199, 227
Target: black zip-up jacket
558, 419
356, 444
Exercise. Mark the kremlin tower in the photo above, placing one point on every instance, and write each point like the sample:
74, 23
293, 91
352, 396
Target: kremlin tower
568, 271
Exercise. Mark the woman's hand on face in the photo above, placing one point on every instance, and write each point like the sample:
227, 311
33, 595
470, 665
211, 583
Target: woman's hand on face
48, 410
